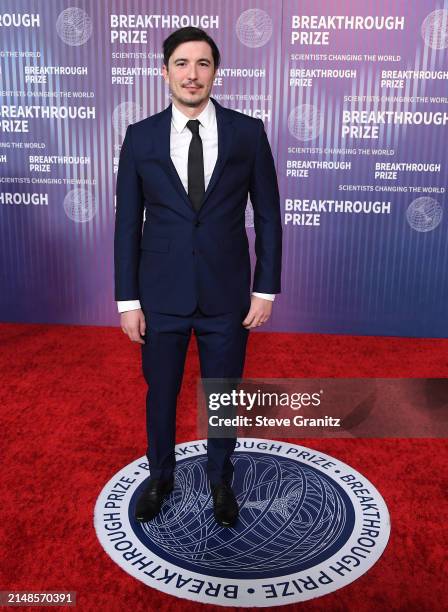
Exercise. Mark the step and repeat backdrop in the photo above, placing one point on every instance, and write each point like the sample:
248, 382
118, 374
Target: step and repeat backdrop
354, 100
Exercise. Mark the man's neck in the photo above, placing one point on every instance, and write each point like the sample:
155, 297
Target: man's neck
189, 111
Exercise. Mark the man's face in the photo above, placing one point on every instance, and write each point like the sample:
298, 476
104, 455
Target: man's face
190, 73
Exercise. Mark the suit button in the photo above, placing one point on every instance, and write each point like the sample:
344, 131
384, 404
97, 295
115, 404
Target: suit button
197, 224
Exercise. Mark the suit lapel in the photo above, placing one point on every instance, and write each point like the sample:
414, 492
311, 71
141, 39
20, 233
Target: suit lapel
163, 143
225, 126
224, 121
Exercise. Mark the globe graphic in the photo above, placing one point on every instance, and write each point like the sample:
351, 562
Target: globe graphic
79, 205
291, 517
254, 28
424, 214
74, 26
124, 114
435, 29
305, 122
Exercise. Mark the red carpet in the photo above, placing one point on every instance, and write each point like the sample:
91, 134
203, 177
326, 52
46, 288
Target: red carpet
73, 414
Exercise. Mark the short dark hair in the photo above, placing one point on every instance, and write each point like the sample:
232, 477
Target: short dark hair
186, 35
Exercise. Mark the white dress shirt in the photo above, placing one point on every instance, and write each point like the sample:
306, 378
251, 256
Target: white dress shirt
180, 139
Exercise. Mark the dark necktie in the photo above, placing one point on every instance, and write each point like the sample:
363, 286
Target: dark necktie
196, 182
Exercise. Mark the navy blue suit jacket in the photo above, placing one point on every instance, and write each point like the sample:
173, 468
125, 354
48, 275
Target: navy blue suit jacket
183, 258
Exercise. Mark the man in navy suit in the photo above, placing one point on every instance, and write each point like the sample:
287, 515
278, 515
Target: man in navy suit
181, 251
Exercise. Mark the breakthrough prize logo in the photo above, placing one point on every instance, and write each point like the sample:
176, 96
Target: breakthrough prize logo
305, 122
80, 205
124, 114
254, 28
424, 214
74, 26
308, 525
435, 29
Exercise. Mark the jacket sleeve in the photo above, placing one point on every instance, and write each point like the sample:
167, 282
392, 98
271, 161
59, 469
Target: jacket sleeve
265, 198
128, 223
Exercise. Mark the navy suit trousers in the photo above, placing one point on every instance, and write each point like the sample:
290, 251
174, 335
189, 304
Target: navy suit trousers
222, 342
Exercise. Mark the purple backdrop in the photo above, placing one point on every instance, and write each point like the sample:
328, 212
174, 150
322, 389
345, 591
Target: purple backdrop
353, 97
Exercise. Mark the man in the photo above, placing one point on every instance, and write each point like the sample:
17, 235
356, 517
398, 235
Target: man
190, 168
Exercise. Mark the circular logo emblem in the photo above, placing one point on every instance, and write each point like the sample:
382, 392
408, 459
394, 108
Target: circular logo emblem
308, 525
74, 26
305, 122
254, 28
124, 114
80, 205
435, 29
424, 214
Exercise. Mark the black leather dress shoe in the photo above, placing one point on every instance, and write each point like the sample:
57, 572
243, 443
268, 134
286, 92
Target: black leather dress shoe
225, 506
150, 501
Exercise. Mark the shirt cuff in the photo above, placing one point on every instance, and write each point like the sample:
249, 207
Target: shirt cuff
265, 296
124, 306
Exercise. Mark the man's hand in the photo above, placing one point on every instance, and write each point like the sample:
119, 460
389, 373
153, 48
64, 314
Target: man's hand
133, 324
259, 312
